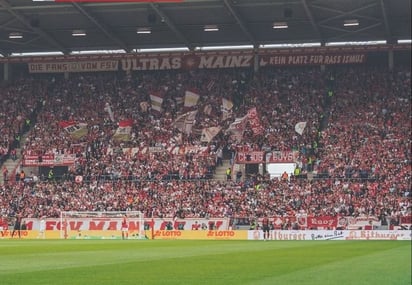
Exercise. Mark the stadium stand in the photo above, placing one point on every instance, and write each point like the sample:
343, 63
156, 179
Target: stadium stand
357, 144
125, 128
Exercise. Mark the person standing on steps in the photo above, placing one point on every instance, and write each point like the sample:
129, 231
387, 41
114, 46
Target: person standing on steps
219, 157
228, 174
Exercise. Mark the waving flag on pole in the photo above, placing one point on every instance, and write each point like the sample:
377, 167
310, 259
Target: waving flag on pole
208, 109
123, 132
109, 110
300, 127
156, 101
226, 108
185, 122
237, 128
254, 120
209, 133
75, 130
191, 98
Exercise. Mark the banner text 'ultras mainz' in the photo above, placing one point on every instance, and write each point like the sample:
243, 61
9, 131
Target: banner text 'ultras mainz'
201, 60
190, 62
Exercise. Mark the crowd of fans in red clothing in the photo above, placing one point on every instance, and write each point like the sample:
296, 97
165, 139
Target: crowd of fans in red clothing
356, 143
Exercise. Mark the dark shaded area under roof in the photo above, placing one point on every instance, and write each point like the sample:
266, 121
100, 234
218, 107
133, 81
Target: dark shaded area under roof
48, 26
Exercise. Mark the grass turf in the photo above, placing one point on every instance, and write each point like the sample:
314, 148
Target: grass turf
114, 262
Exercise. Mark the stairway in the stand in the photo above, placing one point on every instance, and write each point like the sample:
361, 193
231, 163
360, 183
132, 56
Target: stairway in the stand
220, 172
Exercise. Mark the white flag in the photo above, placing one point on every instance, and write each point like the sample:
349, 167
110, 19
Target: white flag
226, 108
123, 131
185, 122
75, 130
209, 133
191, 98
109, 110
300, 127
156, 102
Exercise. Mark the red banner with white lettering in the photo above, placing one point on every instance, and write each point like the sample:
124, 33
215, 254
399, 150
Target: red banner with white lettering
281, 156
49, 160
250, 157
185, 61
322, 222
113, 224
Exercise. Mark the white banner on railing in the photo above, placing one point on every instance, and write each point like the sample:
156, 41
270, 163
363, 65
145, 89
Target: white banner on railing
332, 235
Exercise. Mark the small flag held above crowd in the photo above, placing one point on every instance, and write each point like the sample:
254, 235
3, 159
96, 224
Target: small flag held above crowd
191, 98
300, 127
254, 121
237, 128
124, 130
226, 108
109, 110
75, 130
185, 122
157, 101
209, 133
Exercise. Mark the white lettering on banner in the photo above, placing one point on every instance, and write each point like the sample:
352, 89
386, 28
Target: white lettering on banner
157, 63
265, 55
322, 221
379, 235
277, 60
225, 61
288, 235
298, 59
281, 156
250, 157
169, 234
82, 224
49, 160
85, 66
327, 235
311, 59
318, 235
220, 233
183, 61
220, 229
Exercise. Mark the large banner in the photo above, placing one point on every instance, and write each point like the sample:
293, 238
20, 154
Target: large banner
114, 224
274, 235
196, 62
201, 235
174, 59
244, 157
332, 235
310, 228
49, 160
201, 60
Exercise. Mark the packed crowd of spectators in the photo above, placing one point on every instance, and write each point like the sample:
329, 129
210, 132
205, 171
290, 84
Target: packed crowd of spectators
19, 101
356, 142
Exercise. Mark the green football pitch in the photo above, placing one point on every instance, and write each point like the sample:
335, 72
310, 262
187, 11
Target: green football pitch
117, 262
